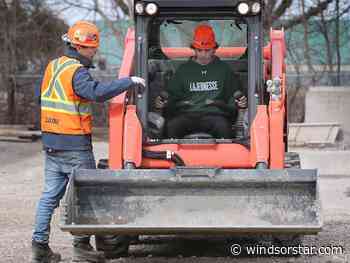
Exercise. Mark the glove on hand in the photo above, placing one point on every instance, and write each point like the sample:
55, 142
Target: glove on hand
138, 81
139, 84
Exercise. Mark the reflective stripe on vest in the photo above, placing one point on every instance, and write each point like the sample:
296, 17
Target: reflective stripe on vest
63, 112
69, 108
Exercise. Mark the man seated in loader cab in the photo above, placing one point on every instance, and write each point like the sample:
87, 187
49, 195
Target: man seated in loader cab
201, 93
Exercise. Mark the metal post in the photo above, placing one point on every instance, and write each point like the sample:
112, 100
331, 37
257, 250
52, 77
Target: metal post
141, 56
255, 60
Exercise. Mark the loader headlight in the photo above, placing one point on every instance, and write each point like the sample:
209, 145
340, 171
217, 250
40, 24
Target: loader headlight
256, 7
243, 8
151, 9
139, 8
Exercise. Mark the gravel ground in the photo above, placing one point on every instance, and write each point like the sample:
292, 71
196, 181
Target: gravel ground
21, 182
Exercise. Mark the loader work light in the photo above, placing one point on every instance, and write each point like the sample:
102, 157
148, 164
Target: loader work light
256, 7
139, 8
243, 8
151, 9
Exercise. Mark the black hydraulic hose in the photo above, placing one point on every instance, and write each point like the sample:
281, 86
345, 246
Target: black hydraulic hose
177, 160
154, 154
164, 155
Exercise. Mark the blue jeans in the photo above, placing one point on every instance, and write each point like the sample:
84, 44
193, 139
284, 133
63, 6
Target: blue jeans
58, 167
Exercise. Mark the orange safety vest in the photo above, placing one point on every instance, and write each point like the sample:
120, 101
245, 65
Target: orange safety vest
62, 111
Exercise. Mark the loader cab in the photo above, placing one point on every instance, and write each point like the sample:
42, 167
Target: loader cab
164, 31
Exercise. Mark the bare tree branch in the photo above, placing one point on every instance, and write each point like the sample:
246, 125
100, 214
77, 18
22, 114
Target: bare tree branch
313, 11
337, 41
306, 43
282, 8
123, 5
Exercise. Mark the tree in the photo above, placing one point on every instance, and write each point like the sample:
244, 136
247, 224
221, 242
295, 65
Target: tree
315, 46
275, 9
29, 34
314, 9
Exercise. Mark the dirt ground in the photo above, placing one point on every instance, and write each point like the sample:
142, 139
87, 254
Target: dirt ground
21, 181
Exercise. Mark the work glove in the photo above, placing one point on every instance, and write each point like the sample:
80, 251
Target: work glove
139, 83
240, 100
161, 101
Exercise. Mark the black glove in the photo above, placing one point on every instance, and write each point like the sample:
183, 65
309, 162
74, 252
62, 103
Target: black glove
240, 99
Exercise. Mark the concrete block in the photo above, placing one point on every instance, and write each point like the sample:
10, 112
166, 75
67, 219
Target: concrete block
327, 162
312, 133
329, 104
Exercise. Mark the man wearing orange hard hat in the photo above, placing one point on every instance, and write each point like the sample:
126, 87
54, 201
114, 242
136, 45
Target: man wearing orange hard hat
201, 91
66, 92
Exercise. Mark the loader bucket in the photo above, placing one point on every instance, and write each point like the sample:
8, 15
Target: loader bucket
192, 201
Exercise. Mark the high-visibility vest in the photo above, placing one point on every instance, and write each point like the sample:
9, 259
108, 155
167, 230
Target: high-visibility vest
62, 111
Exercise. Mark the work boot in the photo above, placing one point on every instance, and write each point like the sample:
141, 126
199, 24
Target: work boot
42, 253
83, 252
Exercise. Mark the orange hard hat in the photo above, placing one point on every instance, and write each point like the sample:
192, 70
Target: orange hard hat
204, 37
83, 33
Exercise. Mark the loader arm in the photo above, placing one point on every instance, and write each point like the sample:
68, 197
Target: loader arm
117, 106
277, 110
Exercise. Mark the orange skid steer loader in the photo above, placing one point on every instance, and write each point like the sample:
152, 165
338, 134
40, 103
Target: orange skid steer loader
198, 184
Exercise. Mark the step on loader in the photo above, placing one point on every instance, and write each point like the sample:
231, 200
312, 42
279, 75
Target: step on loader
151, 184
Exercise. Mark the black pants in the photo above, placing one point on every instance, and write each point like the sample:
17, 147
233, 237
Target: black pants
216, 125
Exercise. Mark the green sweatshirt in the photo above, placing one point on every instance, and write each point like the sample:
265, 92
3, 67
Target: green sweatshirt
195, 86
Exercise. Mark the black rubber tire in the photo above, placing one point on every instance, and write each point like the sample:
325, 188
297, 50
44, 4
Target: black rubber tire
292, 160
113, 246
289, 243
103, 164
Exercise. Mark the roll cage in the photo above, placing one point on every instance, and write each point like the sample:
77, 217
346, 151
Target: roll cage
147, 39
